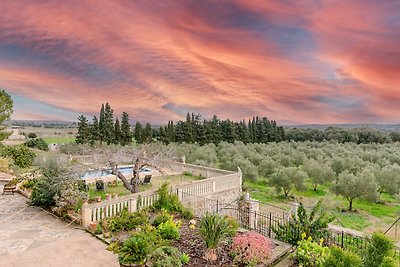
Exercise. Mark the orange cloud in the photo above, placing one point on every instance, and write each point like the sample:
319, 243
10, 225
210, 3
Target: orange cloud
159, 60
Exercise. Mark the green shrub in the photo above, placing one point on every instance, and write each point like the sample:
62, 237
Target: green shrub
113, 247
379, 247
167, 201
187, 213
135, 249
98, 230
166, 256
28, 183
22, 156
309, 253
38, 143
127, 221
32, 135
302, 223
162, 217
171, 203
185, 258
44, 191
340, 258
169, 230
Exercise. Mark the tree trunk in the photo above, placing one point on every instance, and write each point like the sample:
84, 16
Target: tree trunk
315, 187
135, 181
350, 204
114, 170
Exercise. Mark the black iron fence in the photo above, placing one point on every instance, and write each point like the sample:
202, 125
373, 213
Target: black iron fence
267, 223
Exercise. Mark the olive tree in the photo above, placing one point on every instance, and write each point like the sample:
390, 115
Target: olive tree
351, 187
287, 178
318, 173
388, 179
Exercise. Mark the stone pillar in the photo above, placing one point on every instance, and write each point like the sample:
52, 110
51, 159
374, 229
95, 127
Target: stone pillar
249, 212
86, 215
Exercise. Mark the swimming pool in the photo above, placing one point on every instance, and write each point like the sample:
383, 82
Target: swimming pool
123, 170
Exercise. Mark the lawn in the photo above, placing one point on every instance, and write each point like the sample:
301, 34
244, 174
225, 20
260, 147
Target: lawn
366, 217
59, 140
156, 182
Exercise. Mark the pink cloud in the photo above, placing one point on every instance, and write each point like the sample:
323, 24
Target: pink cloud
158, 60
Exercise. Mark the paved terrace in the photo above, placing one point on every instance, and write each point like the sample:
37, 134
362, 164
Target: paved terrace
29, 236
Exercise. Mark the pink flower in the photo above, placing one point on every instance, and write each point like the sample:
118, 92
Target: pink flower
251, 247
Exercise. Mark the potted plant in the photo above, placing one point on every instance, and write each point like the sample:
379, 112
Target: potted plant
108, 196
104, 224
93, 226
97, 198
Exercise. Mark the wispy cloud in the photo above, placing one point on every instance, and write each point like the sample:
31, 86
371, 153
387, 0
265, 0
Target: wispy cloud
311, 62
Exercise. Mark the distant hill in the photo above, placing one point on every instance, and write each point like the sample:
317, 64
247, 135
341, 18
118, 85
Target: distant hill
44, 123
382, 127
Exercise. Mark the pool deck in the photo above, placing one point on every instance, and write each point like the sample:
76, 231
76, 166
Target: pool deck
30, 236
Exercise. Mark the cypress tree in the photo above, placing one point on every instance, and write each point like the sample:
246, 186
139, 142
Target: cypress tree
94, 131
101, 124
117, 132
147, 133
108, 124
83, 134
139, 132
126, 135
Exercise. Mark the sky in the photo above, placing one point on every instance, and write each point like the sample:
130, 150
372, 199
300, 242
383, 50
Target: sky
297, 62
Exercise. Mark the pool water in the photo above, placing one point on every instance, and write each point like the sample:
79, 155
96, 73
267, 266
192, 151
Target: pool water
123, 170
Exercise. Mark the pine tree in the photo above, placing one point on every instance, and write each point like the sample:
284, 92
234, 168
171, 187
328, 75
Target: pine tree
139, 133
108, 124
126, 135
94, 131
117, 132
83, 134
101, 124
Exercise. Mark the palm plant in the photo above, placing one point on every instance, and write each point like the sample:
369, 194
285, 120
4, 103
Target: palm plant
213, 228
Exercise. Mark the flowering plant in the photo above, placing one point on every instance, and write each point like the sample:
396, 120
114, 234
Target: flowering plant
251, 248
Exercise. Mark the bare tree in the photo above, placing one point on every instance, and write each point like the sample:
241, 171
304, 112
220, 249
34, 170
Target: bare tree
157, 157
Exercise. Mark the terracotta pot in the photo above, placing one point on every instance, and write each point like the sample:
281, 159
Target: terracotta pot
98, 198
107, 234
108, 196
93, 226
69, 212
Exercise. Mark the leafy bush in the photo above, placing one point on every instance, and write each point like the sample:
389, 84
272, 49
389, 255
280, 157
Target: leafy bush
340, 258
171, 203
379, 248
28, 183
169, 230
44, 191
309, 253
167, 201
70, 195
136, 248
32, 135
22, 156
166, 256
308, 224
38, 143
162, 217
251, 248
127, 221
